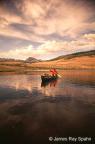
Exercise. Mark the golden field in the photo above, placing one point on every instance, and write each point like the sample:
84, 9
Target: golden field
83, 62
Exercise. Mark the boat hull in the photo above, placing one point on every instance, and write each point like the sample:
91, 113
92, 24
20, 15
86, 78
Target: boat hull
48, 78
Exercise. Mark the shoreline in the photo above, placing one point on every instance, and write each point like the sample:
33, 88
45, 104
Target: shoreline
43, 70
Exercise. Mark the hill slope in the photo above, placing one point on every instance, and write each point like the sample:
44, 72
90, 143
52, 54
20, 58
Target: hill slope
82, 60
73, 55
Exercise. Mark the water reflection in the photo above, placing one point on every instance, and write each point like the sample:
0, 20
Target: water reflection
30, 110
20, 82
50, 83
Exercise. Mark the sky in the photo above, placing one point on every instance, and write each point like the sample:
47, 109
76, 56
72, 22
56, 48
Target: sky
45, 29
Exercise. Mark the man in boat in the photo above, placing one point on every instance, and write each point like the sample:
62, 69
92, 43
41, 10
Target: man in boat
54, 72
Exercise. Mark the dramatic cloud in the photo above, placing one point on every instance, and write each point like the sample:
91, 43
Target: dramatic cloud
51, 49
37, 27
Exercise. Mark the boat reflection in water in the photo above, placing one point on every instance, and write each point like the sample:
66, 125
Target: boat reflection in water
51, 83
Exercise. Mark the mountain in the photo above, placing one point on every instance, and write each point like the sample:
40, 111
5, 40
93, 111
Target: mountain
73, 55
80, 60
32, 60
75, 61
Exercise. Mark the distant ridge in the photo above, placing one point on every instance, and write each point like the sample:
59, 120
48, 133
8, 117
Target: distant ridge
28, 60
68, 56
75, 61
73, 55
9, 59
32, 60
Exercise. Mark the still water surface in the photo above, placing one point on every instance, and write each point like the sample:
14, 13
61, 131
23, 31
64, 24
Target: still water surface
30, 111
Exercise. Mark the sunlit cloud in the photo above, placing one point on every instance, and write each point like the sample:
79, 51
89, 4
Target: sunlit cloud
59, 26
85, 43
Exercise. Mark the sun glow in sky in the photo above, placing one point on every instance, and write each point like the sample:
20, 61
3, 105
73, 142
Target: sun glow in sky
45, 29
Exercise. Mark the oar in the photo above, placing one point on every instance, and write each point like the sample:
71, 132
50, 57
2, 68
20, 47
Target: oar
59, 76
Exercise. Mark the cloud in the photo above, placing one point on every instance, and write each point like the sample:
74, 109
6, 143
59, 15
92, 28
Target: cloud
47, 17
59, 26
53, 47
32, 9
90, 37
63, 19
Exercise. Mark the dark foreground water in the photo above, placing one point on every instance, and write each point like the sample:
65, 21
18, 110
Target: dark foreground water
31, 112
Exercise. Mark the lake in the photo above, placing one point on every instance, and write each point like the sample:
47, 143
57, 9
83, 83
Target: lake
31, 112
